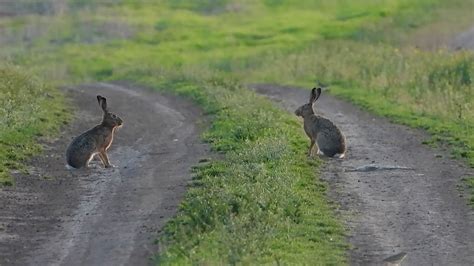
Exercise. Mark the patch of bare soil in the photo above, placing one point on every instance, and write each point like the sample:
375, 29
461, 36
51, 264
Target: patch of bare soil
464, 40
395, 194
55, 216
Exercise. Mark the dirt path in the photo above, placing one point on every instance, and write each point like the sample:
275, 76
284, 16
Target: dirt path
464, 40
416, 210
104, 216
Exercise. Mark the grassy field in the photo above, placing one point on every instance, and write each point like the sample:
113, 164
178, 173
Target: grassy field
261, 201
28, 109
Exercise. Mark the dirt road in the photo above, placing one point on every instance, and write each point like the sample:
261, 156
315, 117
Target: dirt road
415, 207
464, 40
99, 216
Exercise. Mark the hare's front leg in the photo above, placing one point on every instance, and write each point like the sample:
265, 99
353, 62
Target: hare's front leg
105, 159
310, 151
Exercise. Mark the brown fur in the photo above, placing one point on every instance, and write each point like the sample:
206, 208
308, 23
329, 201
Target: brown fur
321, 131
96, 140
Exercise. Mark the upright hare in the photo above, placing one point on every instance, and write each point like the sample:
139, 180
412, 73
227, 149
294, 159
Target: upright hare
327, 136
96, 140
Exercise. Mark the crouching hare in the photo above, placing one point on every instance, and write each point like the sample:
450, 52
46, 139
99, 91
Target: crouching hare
321, 131
96, 140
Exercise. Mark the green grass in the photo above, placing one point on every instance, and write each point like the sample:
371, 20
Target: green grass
469, 183
261, 201
178, 38
28, 109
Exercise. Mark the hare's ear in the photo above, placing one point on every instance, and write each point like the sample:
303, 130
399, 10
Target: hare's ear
315, 93
102, 102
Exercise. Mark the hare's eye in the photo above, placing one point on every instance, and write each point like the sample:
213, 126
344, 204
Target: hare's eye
114, 116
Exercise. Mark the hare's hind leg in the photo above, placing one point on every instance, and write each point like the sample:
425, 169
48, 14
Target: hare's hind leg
105, 159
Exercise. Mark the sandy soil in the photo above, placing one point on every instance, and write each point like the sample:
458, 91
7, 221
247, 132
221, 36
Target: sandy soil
396, 194
54, 216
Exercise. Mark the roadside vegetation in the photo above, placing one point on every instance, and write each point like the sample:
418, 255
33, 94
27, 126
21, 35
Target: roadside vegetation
28, 109
261, 201
469, 185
